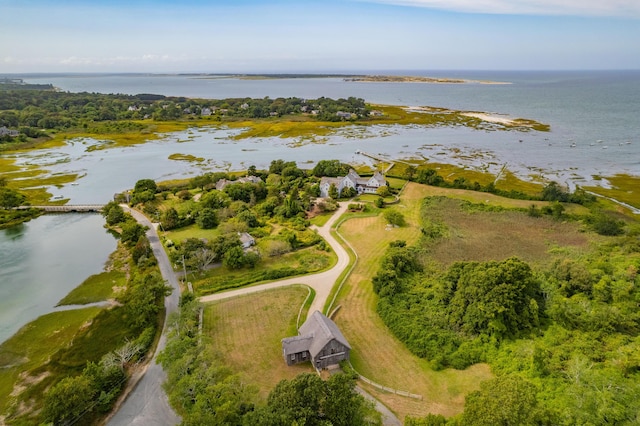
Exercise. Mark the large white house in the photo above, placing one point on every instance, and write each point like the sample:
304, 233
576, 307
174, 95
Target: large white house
353, 180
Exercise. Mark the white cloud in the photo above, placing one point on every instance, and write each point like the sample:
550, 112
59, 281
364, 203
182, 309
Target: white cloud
621, 8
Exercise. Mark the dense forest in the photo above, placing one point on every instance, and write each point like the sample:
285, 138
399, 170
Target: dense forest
562, 335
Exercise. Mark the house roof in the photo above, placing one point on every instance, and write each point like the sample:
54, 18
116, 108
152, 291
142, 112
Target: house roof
297, 344
246, 238
378, 176
330, 180
322, 330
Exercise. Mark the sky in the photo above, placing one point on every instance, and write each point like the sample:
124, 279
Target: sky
293, 36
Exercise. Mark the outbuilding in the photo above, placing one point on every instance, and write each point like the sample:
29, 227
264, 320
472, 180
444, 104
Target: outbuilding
319, 341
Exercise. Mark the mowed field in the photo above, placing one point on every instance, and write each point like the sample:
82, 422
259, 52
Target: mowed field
247, 332
376, 353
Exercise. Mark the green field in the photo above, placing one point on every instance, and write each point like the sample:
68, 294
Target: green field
247, 332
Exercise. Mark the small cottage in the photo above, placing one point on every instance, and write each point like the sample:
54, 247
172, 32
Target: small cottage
319, 341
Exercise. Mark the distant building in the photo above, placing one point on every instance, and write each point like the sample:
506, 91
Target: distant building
4, 131
344, 115
353, 180
223, 183
319, 340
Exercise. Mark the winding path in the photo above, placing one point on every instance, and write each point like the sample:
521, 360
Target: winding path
147, 404
321, 282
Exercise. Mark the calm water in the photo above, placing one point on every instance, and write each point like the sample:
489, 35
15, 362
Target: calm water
42, 260
581, 107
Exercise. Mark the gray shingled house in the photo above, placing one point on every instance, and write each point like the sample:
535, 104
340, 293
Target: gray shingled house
319, 341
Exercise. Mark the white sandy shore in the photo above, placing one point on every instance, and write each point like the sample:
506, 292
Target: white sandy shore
490, 118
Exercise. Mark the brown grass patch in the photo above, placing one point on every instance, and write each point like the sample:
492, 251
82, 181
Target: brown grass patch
482, 236
376, 353
476, 235
247, 332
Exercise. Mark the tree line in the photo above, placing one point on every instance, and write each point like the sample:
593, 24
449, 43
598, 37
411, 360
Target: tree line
563, 339
35, 112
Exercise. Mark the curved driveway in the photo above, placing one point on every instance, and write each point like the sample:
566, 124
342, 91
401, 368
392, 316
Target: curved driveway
321, 282
148, 404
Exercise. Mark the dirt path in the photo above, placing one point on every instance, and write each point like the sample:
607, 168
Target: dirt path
321, 282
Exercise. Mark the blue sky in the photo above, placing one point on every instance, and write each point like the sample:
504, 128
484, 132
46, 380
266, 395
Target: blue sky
317, 35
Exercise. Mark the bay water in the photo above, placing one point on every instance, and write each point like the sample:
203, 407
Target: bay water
594, 132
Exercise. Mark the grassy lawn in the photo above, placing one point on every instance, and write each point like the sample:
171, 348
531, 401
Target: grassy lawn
302, 261
473, 235
248, 330
191, 231
96, 288
376, 353
33, 345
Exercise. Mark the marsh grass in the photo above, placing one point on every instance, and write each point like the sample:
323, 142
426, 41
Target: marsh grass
96, 288
624, 188
186, 157
247, 332
33, 345
476, 235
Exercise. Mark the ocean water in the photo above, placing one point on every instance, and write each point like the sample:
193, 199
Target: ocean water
582, 107
595, 130
594, 115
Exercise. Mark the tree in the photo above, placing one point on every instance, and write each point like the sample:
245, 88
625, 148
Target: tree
215, 200
394, 217
606, 225
330, 168
506, 400
333, 192
204, 257
383, 191
145, 185
69, 399
234, 258
10, 198
131, 232
348, 192
308, 400
170, 219
207, 218
113, 213
497, 298
553, 192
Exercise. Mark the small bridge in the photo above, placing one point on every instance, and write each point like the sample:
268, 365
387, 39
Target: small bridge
69, 208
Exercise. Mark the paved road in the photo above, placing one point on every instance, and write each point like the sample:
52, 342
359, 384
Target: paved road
321, 282
147, 404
